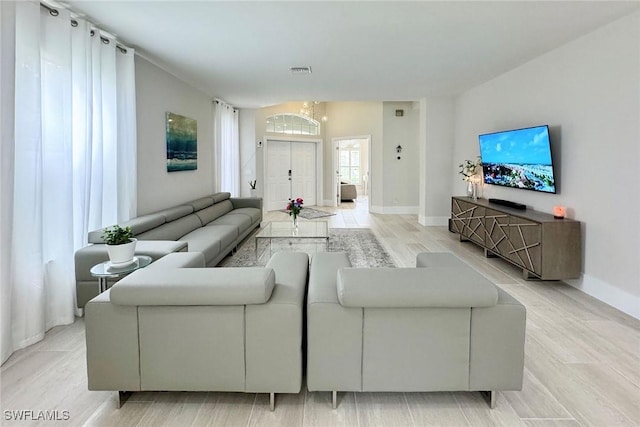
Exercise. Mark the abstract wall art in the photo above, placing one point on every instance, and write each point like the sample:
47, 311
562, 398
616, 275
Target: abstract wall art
182, 143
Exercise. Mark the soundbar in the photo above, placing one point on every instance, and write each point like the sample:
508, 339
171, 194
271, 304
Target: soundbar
509, 204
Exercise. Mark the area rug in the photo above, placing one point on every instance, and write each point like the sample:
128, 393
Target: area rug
310, 213
360, 244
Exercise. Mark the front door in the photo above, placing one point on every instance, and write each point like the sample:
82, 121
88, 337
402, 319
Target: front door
303, 171
278, 178
291, 172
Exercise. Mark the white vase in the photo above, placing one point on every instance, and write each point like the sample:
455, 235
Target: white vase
122, 254
253, 192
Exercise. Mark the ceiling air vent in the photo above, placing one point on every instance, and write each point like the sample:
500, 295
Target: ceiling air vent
300, 70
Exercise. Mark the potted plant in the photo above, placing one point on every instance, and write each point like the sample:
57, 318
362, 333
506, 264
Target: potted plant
252, 188
469, 170
121, 245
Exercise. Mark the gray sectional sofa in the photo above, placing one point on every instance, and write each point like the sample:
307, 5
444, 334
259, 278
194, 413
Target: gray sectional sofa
176, 325
213, 225
439, 327
171, 326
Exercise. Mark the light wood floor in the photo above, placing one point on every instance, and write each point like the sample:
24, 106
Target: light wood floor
582, 364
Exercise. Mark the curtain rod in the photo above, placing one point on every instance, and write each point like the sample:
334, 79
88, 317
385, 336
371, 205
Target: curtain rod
220, 101
74, 23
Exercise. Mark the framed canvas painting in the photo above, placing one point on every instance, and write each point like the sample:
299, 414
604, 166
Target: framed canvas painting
182, 143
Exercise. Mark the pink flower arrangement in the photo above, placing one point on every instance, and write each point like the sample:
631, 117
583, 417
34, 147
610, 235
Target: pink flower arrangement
294, 207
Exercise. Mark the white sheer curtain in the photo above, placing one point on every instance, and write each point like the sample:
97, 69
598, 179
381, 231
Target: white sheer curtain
73, 164
7, 82
226, 142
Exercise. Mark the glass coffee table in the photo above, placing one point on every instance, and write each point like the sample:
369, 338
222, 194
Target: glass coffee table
105, 271
282, 235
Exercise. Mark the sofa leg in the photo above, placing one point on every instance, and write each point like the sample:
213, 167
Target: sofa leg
334, 399
272, 401
122, 397
491, 398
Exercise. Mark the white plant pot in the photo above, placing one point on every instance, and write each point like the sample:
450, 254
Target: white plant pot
122, 254
253, 192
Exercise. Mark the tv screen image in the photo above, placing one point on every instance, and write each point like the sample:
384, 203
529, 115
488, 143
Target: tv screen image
519, 158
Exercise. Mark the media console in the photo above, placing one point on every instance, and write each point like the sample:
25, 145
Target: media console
544, 247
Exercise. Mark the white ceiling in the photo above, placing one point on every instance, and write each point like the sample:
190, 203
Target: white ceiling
241, 51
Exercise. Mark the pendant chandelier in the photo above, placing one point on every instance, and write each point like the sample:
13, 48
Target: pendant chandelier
309, 110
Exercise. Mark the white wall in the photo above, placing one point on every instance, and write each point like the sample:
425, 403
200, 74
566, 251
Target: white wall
436, 149
158, 92
347, 119
365, 152
400, 177
588, 91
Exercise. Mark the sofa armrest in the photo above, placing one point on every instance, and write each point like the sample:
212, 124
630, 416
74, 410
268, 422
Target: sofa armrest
497, 345
112, 345
87, 257
274, 330
442, 287
246, 202
334, 332
195, 286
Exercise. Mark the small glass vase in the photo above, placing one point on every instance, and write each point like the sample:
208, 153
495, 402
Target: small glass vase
470, 189
295, 221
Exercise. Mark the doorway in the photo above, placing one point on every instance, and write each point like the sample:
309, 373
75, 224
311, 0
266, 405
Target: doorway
291, 170
352, 165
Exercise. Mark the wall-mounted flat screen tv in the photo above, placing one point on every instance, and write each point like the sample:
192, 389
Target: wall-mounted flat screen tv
519, 158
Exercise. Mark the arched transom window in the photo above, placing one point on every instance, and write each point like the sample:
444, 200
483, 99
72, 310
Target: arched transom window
292, 124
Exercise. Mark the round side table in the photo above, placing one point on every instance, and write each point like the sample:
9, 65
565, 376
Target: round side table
105, 271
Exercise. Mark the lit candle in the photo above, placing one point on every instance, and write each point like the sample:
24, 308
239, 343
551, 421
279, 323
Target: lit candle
559, 212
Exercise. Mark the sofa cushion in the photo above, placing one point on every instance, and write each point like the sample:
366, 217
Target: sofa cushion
253, 213
201, 203
443, 287
225, 234
219, 197
171, 214
195, 286
241, 222
209, 249
173, 230
180, 260
214, 212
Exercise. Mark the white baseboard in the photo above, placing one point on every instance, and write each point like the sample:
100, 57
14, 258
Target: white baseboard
398, 210
433, 220
615, 297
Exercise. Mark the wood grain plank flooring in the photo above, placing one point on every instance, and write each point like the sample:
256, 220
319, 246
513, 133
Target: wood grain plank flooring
582, 364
